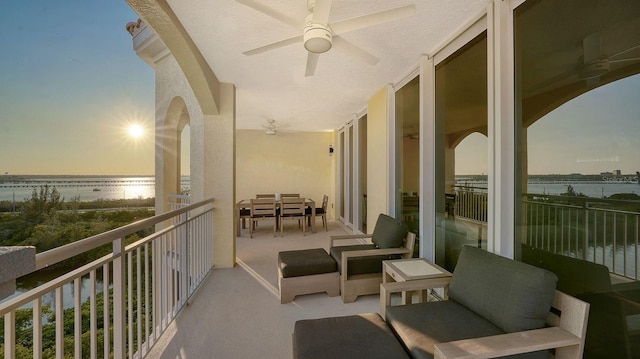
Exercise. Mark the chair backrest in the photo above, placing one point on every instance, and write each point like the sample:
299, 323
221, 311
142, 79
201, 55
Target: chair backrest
292, 207
389, 232
325, 201
266, 195
290, 195
263, 207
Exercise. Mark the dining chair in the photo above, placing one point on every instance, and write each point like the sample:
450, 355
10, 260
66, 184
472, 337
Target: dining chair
290, 195
293, 208
320, 211
266, 196
262, 209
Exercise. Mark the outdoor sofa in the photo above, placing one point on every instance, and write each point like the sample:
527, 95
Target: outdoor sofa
495, 307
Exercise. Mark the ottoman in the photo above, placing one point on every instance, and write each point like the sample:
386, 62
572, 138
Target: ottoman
307, 271
355, 336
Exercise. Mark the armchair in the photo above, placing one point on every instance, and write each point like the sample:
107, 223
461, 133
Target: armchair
496, 307
360, 265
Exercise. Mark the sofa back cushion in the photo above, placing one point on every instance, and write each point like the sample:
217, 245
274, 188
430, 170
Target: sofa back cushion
514, 296
388, 232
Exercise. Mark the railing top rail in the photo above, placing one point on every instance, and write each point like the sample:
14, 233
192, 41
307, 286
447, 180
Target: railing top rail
67, 251
583, 199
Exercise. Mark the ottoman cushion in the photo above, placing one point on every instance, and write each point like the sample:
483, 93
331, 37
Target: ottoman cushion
305, 262
355, 336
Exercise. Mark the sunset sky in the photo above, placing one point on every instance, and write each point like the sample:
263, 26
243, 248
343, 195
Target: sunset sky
70, 85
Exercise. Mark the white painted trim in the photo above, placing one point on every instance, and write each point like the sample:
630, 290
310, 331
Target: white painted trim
412, 74
505, 170
391, 146
427, 158
493, 127
463, 34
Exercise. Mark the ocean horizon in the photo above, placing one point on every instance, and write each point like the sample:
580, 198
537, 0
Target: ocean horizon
87, 188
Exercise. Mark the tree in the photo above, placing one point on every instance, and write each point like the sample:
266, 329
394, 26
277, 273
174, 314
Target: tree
42, 205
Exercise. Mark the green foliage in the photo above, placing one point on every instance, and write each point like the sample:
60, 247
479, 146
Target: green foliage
43, 204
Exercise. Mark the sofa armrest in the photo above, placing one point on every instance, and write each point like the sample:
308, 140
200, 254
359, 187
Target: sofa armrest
332, 239
509, 344
387, 289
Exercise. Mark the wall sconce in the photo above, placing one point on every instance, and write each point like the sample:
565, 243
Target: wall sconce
330, 150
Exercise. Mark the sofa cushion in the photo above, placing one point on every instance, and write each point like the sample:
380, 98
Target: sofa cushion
361, 265
514, 296
388, 232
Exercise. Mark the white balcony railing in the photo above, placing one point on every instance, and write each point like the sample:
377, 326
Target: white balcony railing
602, 231
133, 293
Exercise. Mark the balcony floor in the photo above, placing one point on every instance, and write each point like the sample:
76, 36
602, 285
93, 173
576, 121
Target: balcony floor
237, 311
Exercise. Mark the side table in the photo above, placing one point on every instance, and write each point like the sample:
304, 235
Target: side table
402, 270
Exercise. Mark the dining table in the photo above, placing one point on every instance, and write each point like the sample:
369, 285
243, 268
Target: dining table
246, 204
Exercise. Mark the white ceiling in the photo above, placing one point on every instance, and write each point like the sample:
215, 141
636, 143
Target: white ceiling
272, 85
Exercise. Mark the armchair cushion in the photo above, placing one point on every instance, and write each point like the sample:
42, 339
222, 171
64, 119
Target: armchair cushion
512, 295
388, 232
362, 265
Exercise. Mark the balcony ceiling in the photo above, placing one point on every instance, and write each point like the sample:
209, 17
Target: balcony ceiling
272, 85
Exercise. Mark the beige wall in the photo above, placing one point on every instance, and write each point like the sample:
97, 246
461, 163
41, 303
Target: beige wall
377, 157
288, 162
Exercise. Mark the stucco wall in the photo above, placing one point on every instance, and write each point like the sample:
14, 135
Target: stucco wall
377, 157
289, 162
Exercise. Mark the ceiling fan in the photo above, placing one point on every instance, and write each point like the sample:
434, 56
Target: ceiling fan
319, 36
270, 127
591, 65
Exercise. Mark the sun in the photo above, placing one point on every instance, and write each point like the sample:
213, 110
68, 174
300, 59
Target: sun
136, 131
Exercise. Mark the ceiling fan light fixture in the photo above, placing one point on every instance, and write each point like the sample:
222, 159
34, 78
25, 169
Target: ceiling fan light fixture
271, 132
317, 38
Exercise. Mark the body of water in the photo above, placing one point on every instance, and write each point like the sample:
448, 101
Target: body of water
86, 188
590, 189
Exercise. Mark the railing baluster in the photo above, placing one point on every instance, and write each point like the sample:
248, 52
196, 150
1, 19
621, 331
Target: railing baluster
138, 299
37, 328
10, 335
59, 324
119, 279
105, 311
93, 314
77, 318
130, 304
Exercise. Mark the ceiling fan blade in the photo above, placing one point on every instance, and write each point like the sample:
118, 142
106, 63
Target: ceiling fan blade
321, 11
312, 62
353, 50
275, 45
624, 60
552, 80
373, 19
257, 5
623, 52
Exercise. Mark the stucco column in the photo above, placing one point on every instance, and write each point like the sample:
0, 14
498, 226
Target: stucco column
219, 174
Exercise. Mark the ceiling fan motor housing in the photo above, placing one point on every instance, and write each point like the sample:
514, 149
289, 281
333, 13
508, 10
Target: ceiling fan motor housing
317, 37
594, 69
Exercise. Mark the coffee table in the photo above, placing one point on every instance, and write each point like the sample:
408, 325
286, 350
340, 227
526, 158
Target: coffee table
402, 270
